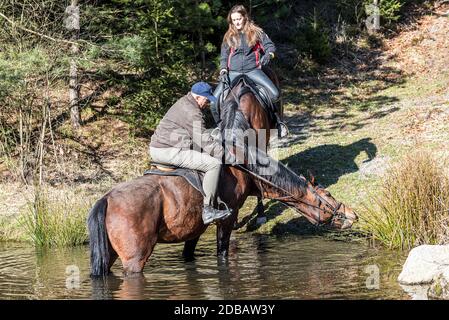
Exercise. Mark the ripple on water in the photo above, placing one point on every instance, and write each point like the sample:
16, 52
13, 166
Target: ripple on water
258, 267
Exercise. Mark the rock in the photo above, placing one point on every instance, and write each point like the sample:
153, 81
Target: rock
376, 166
419, 292
440, 286
424, 264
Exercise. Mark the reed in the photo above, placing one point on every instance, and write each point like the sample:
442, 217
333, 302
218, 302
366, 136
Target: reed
412, 206
55, 220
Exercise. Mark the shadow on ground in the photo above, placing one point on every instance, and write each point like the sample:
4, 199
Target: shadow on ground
327, 163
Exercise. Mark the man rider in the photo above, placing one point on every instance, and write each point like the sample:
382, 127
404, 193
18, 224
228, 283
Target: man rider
181, 139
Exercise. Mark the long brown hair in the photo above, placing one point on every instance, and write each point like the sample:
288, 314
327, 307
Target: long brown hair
253, 32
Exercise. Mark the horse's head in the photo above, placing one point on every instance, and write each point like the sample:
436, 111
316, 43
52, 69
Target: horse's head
321, 208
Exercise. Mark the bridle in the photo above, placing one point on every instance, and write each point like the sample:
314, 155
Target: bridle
336, 216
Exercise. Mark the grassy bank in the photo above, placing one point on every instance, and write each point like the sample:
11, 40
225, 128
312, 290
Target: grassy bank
349, 150
48, 216
349, 132
412, 206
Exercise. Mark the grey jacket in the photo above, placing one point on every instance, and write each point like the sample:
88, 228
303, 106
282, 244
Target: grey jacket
183, 126
244, 58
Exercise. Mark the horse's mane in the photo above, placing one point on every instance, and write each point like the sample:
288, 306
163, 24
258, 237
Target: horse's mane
275, 171
232, 122
232, 118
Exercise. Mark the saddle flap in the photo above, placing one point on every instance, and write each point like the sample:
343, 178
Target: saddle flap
193, 177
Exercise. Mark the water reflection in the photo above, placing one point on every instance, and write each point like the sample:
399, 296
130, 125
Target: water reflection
258, 267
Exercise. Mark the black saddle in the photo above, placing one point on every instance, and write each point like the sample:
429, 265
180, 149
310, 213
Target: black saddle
194, 177
249, 86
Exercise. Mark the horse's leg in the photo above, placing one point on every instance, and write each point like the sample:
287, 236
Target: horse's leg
132, 235
261, 219
136, 262
189, 249
224, 230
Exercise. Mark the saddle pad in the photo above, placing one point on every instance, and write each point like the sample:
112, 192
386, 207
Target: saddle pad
195, 178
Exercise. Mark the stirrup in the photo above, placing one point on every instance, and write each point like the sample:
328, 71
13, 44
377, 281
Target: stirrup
281, 126
220, 202
282, 129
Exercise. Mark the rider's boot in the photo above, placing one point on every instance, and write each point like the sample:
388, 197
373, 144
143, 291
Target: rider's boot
280, 125
210, 214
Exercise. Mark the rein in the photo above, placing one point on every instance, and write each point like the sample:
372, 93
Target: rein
335, 214
227, 85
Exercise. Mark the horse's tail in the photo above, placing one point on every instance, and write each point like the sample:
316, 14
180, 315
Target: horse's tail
98, 238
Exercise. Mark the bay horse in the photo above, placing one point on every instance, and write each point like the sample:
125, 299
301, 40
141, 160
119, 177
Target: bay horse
130, 219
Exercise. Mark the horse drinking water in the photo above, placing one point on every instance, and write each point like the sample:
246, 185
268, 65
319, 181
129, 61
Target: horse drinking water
130, 219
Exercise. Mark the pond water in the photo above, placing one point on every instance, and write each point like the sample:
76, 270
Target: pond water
258, 267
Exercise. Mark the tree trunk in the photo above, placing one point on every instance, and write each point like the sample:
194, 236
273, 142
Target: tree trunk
373, 20
72, 23
203, 53
377, 16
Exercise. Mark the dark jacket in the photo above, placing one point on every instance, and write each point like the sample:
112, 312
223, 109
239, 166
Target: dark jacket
177, 126
244, 58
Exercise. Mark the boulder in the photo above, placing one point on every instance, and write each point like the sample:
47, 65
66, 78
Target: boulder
417, 292
440, 287
424, 264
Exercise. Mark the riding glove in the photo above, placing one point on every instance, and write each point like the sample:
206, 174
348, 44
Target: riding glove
266, 58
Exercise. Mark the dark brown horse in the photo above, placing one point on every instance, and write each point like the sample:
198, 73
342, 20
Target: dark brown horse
129, 220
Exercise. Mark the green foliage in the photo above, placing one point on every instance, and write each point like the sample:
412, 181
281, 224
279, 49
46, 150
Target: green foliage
148, 104
312, 38
390, 10
16, 66
152, 48
40, 15
203, 24
156, 54
356, 11
263, 11
7, 231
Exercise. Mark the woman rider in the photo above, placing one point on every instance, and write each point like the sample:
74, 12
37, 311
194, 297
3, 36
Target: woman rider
245, 49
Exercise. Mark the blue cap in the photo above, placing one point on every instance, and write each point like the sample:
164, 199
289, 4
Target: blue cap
203, 89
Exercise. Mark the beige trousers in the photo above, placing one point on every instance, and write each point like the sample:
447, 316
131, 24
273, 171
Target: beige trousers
192, 159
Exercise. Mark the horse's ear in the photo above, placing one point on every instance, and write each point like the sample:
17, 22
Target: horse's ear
311, 177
